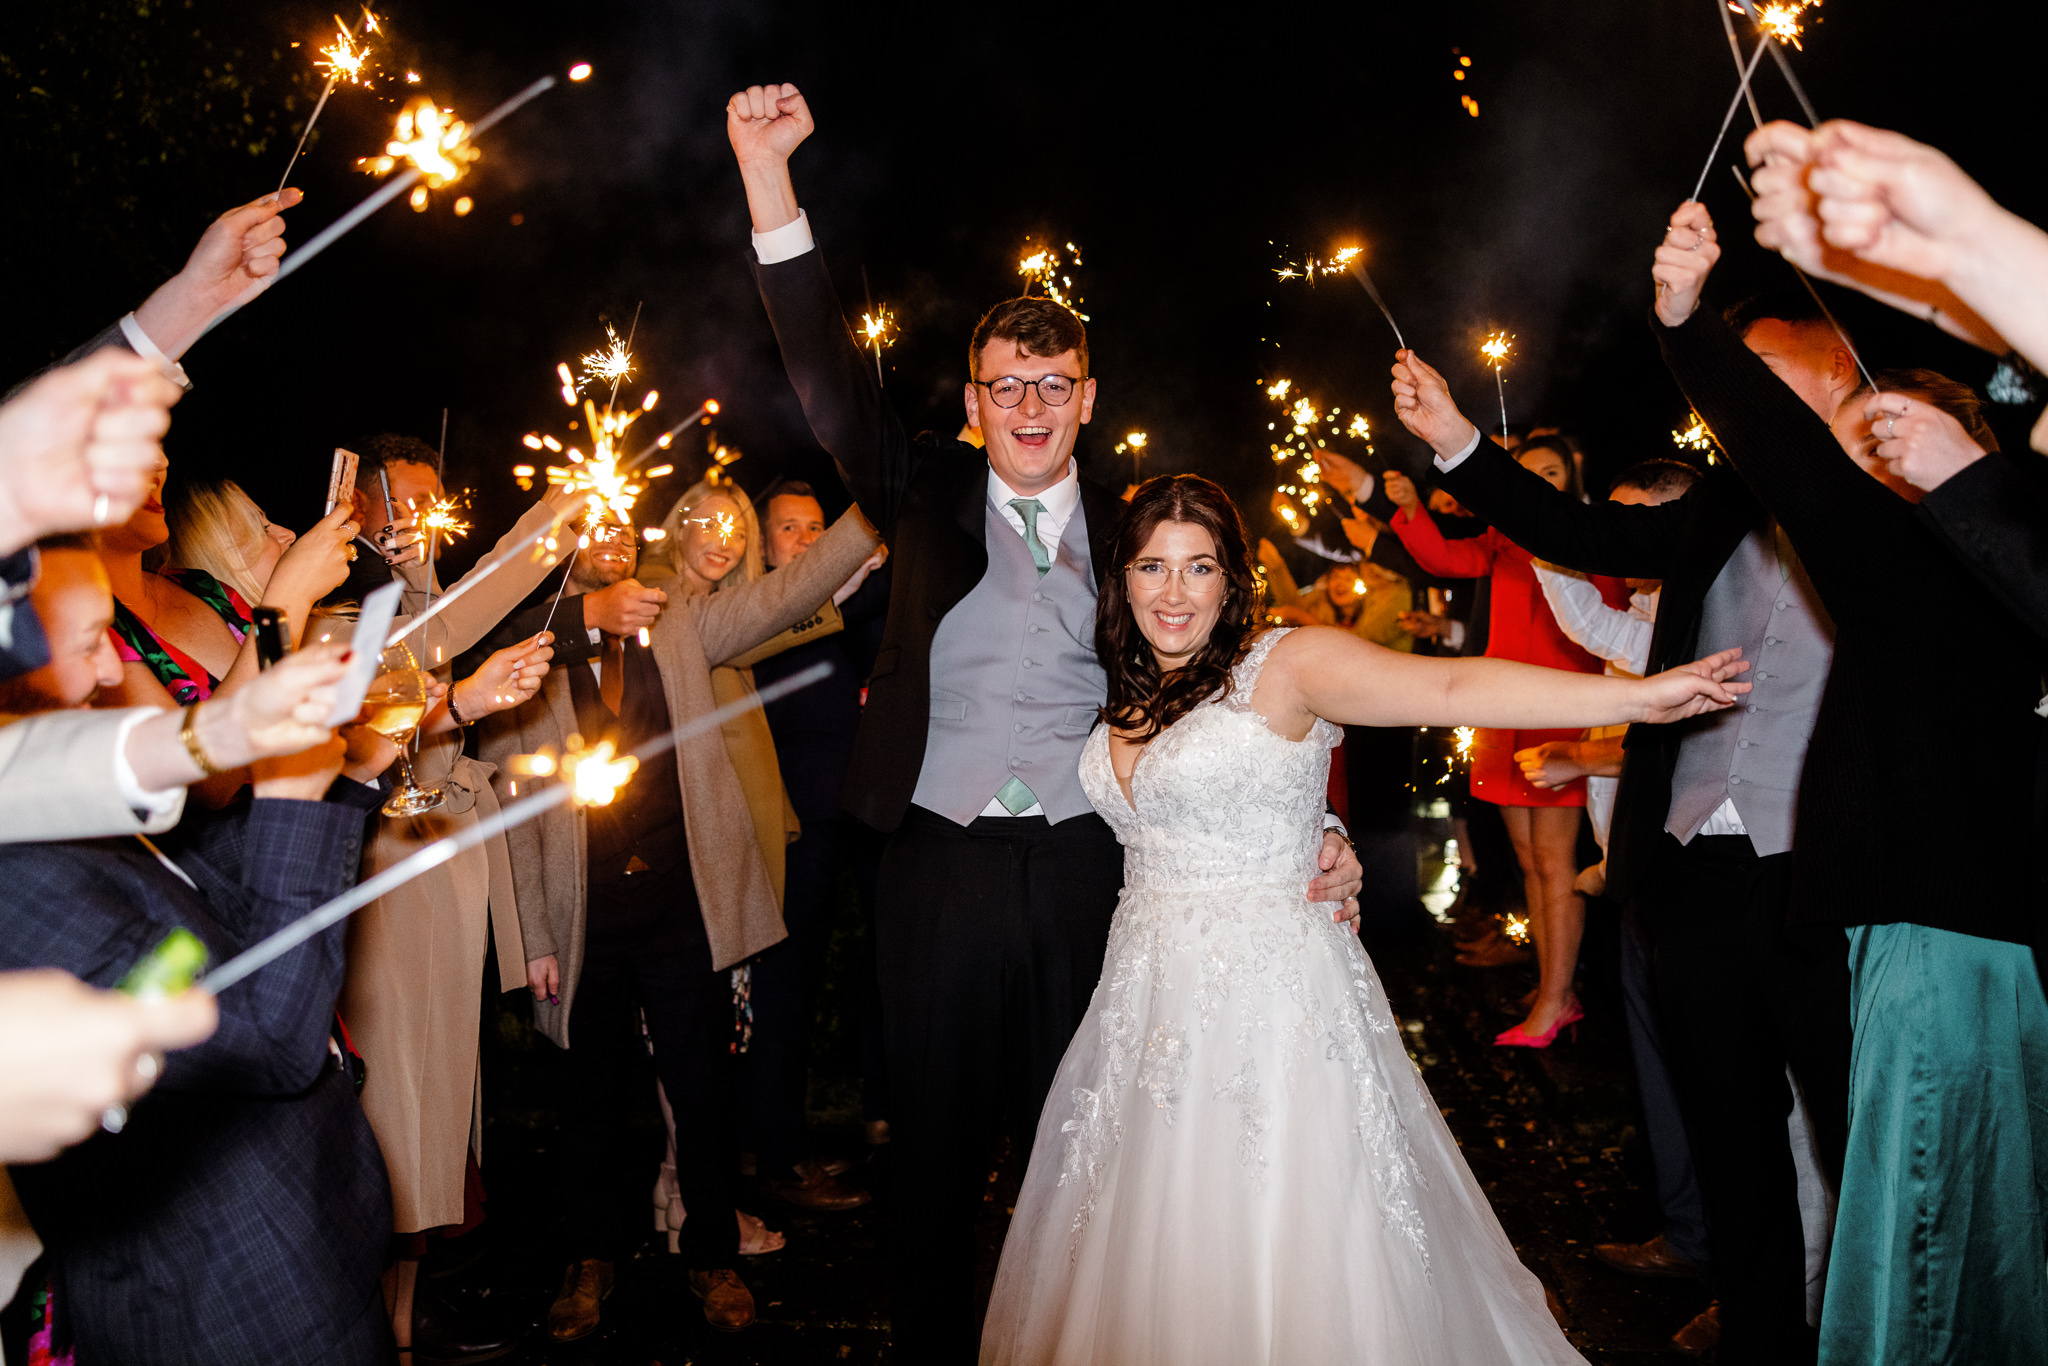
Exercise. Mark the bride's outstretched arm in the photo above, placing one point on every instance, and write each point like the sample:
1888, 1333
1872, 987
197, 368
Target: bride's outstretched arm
1333, 674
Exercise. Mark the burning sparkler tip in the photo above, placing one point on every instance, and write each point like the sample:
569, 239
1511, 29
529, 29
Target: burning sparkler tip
580, 71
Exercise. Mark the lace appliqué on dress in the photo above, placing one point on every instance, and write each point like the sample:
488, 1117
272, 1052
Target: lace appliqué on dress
1221, 834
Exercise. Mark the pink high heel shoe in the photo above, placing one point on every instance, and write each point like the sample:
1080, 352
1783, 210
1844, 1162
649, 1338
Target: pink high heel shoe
1517, 1037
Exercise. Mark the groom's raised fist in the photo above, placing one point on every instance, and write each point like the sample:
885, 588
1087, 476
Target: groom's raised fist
767, 122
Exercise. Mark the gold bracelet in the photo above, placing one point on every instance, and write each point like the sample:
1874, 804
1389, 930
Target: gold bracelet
192, 745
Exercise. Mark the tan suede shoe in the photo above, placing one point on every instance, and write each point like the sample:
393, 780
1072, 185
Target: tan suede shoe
728, 1304
585, 1285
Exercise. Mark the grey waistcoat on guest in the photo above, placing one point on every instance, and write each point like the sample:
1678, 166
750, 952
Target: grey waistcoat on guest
1752, 753
1015, 682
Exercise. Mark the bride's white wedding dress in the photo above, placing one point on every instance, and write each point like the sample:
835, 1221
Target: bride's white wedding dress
1237, 1162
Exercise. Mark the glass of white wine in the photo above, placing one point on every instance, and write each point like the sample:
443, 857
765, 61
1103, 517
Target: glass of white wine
396, 703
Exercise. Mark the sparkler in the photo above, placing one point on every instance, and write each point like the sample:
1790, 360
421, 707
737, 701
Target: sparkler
344, 59
1042, 268
879, 328
1495, 349
1310, 266
1696, 437
611, 365
603, 781
1358, 273
398, 185
1781, 21
1309, 431
1741, 91
441, 519
433, 140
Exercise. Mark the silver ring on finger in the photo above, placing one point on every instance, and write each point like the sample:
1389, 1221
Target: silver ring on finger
1891, 428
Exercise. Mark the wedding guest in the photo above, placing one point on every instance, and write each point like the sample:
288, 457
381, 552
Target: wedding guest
648, 902
73, 774
241, 1213
1702, 840
813, 733
414, 986
180, 631
1543, 825
1938, 1187
994, 897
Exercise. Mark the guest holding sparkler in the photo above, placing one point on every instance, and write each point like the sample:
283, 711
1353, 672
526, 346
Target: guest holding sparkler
1703, 823
1542, 823
413, 991
266, 1211
1900, 221
1939, 1225
649, 902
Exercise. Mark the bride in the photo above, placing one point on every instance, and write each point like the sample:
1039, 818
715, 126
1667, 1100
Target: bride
1237, 1162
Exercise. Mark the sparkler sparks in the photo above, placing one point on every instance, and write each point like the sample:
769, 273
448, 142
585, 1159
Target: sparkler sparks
1696, 437
1782, 20
1309, 267
608, 366
1133, 445
594, 773
1309, 430
441, 517
431, 139
879, 328
1041, 267
1495, 349
344, 60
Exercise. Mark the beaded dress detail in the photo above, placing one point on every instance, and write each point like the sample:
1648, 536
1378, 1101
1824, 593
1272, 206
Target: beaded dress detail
1238, 1163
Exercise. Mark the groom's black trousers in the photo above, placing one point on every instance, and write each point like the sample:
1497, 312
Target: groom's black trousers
989, 942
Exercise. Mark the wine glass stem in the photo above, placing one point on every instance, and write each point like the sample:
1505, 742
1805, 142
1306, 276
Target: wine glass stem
405, 769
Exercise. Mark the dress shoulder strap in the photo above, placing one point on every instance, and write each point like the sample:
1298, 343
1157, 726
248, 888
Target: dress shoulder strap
1245, 677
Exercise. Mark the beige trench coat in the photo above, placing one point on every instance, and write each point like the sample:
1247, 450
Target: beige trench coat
413, 991
549, 855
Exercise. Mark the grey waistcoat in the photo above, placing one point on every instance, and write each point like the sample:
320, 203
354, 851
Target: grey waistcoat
1015, 682
1752, 753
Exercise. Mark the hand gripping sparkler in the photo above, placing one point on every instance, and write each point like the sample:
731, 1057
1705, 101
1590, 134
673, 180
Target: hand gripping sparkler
441, 851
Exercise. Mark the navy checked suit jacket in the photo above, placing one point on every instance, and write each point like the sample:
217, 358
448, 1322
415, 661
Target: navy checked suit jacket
242, 1214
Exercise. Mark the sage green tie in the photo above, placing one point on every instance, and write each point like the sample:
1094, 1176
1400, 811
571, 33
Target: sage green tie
1028, 509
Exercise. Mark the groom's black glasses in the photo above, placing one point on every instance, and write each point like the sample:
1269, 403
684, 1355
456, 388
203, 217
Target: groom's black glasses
1053, 390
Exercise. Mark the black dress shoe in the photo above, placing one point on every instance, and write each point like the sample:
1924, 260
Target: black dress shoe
443, 1335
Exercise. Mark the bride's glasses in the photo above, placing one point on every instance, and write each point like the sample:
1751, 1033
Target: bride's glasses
1199, 579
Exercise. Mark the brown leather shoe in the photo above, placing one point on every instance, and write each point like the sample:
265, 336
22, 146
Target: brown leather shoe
1702, 1335
728, 1304
585, 1285
1653, 1258
810, 1186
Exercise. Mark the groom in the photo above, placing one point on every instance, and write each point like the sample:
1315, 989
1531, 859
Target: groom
996, 889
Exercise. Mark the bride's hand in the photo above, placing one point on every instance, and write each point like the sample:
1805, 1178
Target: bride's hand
1691, 689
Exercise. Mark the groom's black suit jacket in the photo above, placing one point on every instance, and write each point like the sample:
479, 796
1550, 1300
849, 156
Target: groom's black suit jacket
926, 495
1684, 542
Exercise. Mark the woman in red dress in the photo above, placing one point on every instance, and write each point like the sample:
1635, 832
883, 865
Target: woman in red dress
1543, 823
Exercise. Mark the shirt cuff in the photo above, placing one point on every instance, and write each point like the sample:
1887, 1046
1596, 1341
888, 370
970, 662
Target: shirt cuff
785, 243
145, 803
1449, 463
1331, 821
148, 350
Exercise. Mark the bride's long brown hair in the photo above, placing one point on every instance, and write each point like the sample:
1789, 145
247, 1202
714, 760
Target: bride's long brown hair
1142, 699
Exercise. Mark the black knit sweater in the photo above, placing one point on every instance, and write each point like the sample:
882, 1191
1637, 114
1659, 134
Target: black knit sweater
1918, 801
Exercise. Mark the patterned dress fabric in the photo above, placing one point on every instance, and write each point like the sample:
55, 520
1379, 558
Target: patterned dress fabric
183, 677
1238, 1163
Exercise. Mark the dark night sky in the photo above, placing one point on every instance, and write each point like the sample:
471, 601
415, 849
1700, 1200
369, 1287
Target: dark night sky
1182, 156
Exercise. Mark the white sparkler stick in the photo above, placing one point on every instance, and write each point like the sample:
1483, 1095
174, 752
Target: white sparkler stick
1729, 117
1358, 273
441, 851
